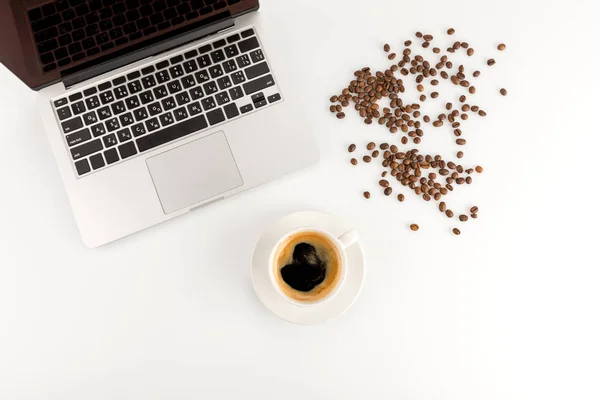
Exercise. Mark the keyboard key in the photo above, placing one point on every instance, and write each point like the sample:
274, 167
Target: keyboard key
246, 108
118, 81
260, 103
82, 167
78, 108
174, 87
127, 150
258, 97
257, 56
238, 77
78, 137
222, 98
111, 156
146, 97
152, 125
176, 71
231, 51
104, 113
134, 87
204, 61
171, 133
215, 71
148, 81
163, 76
217, 56
160, 92
155, 109
215, 116
202, 76
90, 118
182, 98
166, 119
110, 140
210, 88
112, 124
259, 84
134, 75
140, 114
138, 129
120, 92
194, 108
233, 38
229, 66
63, 113
190, 54
224, 83
248, 33
205, 49
231, 110
75, 97
92, 102
243, 61
124, 135
90, 91
257, 70
118, 108
176, 59
98, 130
180, 114
196, 93
162, 65
208, 103
104, 86
248, 44
236, 93
60, 102
72, 125
97, 161
148, 70
274, 98
132, 102
219, 43
188, 81
106, 97
190, 66
169, 104
126, 119
86, 149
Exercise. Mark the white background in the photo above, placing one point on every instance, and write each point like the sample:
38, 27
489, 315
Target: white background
508, 310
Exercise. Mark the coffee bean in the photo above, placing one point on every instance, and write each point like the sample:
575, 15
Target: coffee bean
392, 56
371, 146
394, 148
451, 31
434, 95
383, 174
464, 117
470, 52
419, 35
425, 45
474, 108
332, 109
387, 191
501, 47
384, 183
460, 154
340, 115
437, 123
407, 43
386, 47
474, 210
481, 113
479, 169
472, 90
469, 180
351, 148
353, 161
474, 216
400, 197
463, 217
461, 142
456, 231
469, 171
436, 50
414, 227
491, 62
367, 159
367, 195
375, 154
503, 92
449, 213
333, 99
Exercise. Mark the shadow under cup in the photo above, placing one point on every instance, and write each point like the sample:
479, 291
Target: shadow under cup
308, 266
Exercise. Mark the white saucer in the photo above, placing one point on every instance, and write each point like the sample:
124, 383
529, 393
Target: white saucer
318, 313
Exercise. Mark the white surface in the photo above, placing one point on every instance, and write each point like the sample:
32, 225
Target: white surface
337, 302
507, 311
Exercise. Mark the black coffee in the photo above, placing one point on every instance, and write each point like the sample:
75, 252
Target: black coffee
306, 271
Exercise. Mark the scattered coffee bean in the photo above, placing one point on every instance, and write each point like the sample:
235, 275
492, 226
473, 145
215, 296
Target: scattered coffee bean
460, 154
333, 99
392, 56
386, 47
491, 62
461, 142
501, 47
463, 217
474, 216
400, 197
449, 213
442, 206
375, 154
351, 148
340, 115
451, 31
474, 210
503, 92
470, 52
456, 231
479, 169
387, 191
367, 159
414, 227
481, 112
371, 146
384, 183
354, 161
407, 43
367, 195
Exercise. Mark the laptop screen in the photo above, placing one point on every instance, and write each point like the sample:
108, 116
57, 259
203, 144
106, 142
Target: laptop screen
42, 42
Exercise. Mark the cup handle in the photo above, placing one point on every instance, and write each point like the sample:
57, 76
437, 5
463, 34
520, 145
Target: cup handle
348, 238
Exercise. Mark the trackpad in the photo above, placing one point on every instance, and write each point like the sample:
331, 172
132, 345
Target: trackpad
194, 172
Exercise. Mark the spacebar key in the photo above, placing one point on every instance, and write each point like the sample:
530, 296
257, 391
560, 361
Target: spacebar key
259, 84
171, 133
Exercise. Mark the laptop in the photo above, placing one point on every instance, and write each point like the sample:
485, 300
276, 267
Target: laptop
154, 108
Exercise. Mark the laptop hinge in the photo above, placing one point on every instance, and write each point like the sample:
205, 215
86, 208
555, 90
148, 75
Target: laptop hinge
148, 51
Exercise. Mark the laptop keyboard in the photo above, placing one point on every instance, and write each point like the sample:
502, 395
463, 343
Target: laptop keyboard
149, 107
66, 31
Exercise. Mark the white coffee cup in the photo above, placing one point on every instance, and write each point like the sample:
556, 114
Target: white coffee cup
341, 243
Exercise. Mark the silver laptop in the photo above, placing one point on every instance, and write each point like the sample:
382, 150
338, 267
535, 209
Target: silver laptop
155, 108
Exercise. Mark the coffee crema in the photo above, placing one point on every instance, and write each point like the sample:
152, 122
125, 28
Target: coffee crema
307, 266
